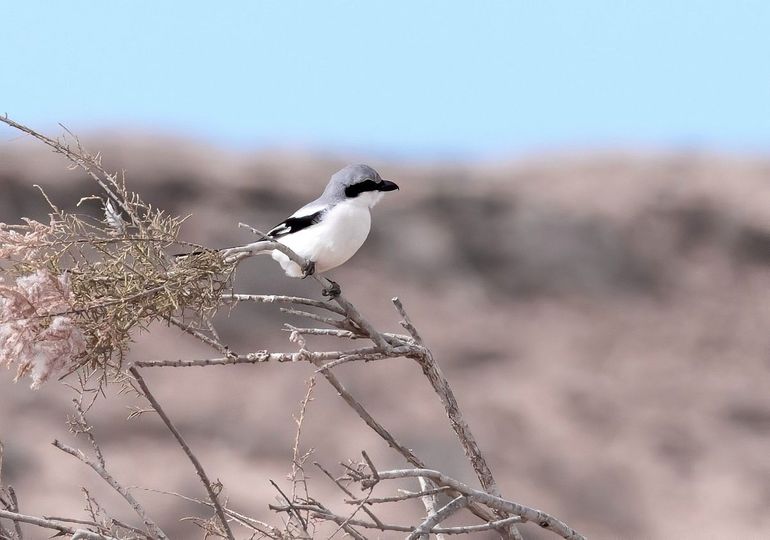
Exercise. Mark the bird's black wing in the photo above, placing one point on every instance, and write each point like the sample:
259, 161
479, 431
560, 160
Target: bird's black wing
295, 224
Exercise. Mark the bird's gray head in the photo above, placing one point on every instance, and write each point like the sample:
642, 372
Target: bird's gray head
358, 182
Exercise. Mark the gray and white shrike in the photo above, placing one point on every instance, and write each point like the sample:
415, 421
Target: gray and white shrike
328, 231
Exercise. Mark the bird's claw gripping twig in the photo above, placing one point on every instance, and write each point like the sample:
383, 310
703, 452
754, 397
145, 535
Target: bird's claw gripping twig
333, 290
308, 269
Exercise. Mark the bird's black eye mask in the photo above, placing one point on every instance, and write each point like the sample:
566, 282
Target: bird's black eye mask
369, 185
361, 187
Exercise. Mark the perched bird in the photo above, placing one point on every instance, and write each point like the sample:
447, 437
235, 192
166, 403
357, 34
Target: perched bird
329, 230
325, 232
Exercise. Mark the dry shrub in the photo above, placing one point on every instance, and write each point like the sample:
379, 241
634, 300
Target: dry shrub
76, 290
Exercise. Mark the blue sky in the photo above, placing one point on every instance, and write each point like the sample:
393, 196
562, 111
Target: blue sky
412, 78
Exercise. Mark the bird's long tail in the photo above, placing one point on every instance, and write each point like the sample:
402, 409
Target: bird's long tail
291, 268
254, 248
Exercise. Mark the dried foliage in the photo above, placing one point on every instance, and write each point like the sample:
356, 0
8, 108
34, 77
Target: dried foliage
118, 275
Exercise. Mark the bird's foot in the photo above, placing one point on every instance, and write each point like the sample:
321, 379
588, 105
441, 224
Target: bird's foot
333, 290
308, 269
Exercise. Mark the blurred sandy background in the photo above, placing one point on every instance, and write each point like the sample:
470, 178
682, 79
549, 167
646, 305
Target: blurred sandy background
603, 318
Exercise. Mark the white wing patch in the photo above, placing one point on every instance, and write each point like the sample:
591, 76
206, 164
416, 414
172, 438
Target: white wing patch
309, 209
278, 230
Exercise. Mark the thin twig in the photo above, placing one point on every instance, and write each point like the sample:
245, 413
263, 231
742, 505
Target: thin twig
49, 524
292, 509
349, 493
437, 517
193, 459
15, 508
342, 324
280, 299
368, 418
199, 335
264, 357
538, 517
400, 498
81, 426
346, 334
370, 464
98, 526
430, 502
353, 314
297, 461
345, 524
244, 520
393, 339
85, 162
407, 322
323, 513
101, 471
71, 520
370, 357
441, 387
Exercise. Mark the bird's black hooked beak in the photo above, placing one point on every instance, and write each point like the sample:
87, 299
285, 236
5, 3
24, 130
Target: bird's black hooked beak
387, 185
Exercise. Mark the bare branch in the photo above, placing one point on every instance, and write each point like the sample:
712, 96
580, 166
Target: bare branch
292, 509
297, 461
79, 425
193, 459
14, 507
78, 521
467, 529
349, 494
437, 517
440, 384
345, 525
50, 524
407, 322
368, 418
256, 525
323, 513
97, 525
342, 324
391, 338
407, 454
88, 163
200, 336
538, 517
101, 471
263, 357
406, 495
430, 502
280, 299
368, 357
352, 314
346, 334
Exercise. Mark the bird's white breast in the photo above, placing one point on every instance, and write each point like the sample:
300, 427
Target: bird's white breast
331, 242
